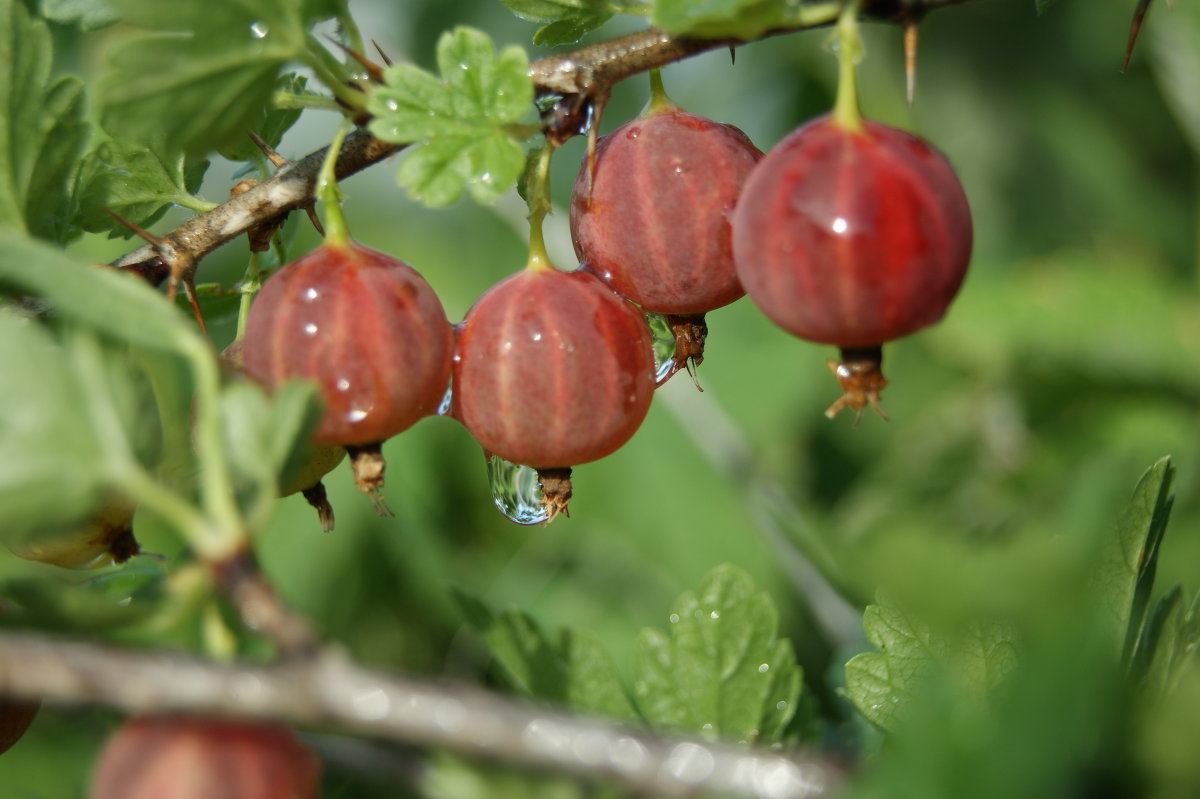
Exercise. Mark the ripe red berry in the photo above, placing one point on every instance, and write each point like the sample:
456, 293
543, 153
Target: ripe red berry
653, 222
181, 758
368, 330
552, 369
852, 238
365, 327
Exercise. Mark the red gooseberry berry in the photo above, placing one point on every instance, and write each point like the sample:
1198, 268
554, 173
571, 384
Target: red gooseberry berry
852, 238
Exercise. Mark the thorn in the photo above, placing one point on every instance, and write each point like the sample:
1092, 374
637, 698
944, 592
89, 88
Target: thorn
312, 217
910, 58
386, 61
144, 235
373, 69
732, 56
1135, 27
189, 288
277, 160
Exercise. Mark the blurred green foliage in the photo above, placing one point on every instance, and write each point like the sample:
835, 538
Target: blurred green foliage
1019, 425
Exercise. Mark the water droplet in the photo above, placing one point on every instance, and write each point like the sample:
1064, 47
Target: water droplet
781, 705
486, 178
310, 329
716, 614
259, 29
311, 294
674, 619
633, 133
356, 415
516, 491
343, 384
662, 341
444, 405
764, 668
707, 725
391, 105
840, 225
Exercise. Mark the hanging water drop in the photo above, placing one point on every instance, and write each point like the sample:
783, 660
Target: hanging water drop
444, 405
259, 29
662, 341
517, 491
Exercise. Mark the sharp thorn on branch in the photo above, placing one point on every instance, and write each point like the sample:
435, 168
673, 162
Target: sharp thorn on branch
1135, 27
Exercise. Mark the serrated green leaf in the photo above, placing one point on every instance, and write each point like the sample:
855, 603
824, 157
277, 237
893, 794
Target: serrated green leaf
89, 15
137, 182
573, 669
42, 131
568, 31
719, 19
1125, 575
203, 80
568, 19
460, 120
265, 437
715, 672
880, 684
194, 93
119, 306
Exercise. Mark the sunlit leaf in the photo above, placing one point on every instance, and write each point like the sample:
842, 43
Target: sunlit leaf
720, 670
459, 121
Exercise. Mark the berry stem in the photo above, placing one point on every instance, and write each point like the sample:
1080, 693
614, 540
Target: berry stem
659, 99
336, 232
251, 283
850, 52
537, 196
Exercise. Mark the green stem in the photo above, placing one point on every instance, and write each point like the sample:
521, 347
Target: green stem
850, 51
224, 533
333, 74
251, 283
537, 195
292, 100
659, 100
336, 232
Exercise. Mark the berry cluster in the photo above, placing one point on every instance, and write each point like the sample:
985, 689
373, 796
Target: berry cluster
848, 233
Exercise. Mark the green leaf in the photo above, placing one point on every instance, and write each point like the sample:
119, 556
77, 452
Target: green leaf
42, 131
271, 123
737, 19
568, 31
568, 19
460, 121
572, 669
135, 181
1129, 560
720, 671
450, 777
117, 305
203, 79
1155, 649
266, 437
879, 684
89, 15
50, 463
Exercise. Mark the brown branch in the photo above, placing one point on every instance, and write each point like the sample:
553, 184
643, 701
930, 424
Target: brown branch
328, 690
587, 71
